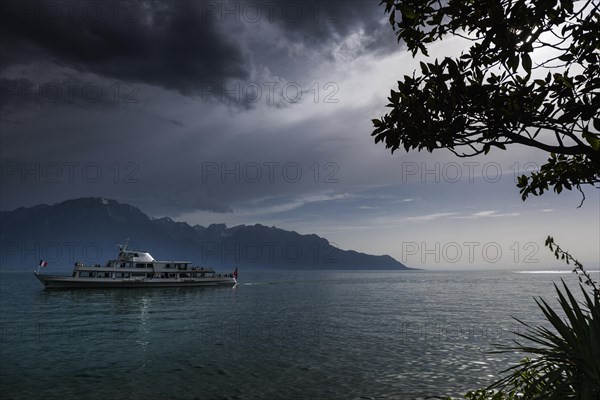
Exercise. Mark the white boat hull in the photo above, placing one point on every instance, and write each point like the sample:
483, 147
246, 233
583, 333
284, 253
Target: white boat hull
67, 282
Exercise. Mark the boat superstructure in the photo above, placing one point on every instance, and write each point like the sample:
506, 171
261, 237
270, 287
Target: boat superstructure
137, 269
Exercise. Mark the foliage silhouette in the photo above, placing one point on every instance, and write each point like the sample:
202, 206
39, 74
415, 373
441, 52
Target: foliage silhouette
531, 76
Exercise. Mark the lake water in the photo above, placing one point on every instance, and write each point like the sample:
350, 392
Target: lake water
298, 334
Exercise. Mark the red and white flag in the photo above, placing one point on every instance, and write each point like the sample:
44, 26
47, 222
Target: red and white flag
43, 263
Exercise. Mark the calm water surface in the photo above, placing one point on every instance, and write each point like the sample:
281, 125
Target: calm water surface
277, 335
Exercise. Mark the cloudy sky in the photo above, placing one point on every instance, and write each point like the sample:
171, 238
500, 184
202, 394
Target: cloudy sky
249, 112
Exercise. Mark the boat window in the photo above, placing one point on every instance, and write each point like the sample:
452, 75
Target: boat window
168, 266
140, 265
149, 265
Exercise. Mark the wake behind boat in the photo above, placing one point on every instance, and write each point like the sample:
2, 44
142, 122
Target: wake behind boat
136, 269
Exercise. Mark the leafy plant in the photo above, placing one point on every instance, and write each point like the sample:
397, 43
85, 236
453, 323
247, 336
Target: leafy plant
567, 358
565, 362
583, 275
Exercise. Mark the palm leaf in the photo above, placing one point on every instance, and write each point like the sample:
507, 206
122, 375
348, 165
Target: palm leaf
566, 363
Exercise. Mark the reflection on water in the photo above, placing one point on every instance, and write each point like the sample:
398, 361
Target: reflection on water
143, 331
277, 335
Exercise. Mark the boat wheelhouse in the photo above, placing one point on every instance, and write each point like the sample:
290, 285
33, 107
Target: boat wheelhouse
138, 269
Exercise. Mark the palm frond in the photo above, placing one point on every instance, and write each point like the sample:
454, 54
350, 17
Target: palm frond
566, 362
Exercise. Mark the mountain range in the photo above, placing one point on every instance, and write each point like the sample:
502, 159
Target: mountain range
88, 230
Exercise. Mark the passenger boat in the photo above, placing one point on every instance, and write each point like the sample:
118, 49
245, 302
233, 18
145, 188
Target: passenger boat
136, 269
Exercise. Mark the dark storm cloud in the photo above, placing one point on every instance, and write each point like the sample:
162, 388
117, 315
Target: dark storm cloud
167, 44
178, 46
186, 45
319, 23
